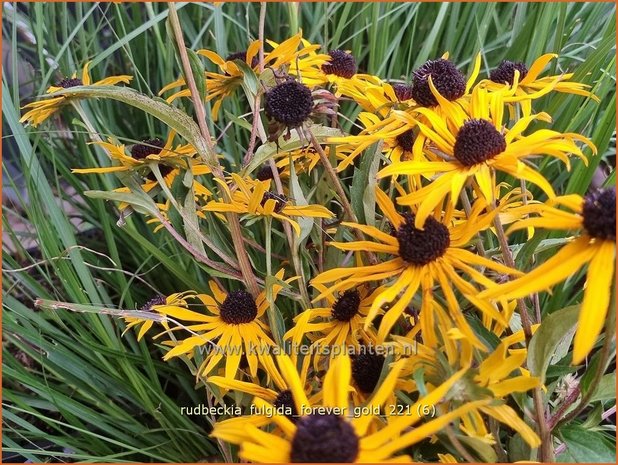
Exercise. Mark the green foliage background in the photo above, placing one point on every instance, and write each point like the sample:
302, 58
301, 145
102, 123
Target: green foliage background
73, 387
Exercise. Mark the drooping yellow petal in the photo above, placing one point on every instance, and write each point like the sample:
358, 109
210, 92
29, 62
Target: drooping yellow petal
596, 299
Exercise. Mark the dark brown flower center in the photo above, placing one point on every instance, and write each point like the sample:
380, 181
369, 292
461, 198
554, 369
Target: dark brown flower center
324, 439
505, 72
422, 246
342, 64
280, 200
405, 140
70, 82
147, 147
289, 103
599, 213
238, 307
147, 307
242, 56
264, 173
284, 399
477, 141
446, 78
346, 305
366, 369
403, 92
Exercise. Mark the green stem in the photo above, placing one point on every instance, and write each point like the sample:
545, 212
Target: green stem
234, 224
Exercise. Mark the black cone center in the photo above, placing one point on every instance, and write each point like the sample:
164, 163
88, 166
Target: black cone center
421, 246
238, 307
324, 439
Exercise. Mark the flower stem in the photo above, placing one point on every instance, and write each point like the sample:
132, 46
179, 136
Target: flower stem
345, 203
243, 259
546, 452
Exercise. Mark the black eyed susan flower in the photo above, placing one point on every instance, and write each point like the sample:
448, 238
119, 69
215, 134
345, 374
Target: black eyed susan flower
327, 433
594, 215
223, 84
398, 146
341, 324
281, 394
150, 306
421, 259
41, 110
142, 154
231, 327
476, 145
447, 79
527, 83
498, 376
252, 197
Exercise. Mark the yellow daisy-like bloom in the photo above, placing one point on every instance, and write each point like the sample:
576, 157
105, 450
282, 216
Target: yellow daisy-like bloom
231, 327
142, 154
145, 323
401, 145
337, 67
437, 86
304, 159
41, 110
252, 197
527, 83
170, 161
378, 97
496, 377
281, 396
476, 145
595, 216
422, 258
328, 432
341, 324
223, 84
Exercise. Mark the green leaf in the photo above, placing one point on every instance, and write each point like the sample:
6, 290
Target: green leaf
518, 449
585, 446
606, 390
363, 190
176, 119
197, 68
298, 197
479, 447
140, 203
554, 328
268, 150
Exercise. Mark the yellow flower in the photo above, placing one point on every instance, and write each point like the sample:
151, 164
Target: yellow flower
337, 67
475, 145
341, 324
151, 306
144, 153
498, 375
595, 216
331, 434
400, 145
223, 84
526, 83
280, 396
231, 327
390, 108
252, 197
42, 109
422, 259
